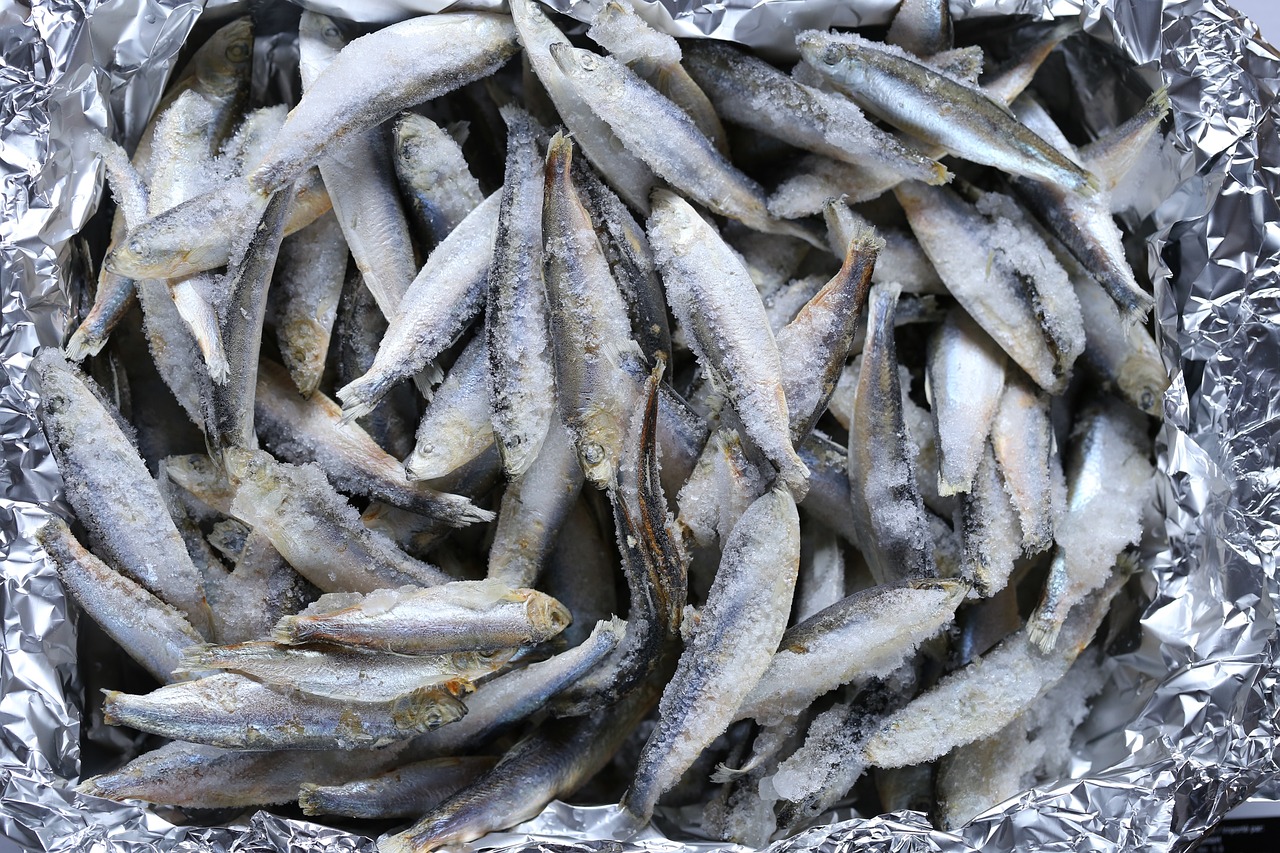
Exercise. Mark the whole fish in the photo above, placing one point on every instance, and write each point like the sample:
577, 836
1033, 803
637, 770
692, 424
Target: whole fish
453, 617
236, 712
937, 109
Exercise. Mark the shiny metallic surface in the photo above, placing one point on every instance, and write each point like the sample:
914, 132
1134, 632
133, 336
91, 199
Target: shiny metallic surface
1187, 728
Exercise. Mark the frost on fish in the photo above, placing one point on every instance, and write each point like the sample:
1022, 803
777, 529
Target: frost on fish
434, 177
867, 635
315, 529
108, 485
235, 712
453, 617
308, 282
736, 633
964, 378
519, 349
714, 300
821, 582
456, 427
260, 589
989, 528
1027, 456
723, 484
1123, 355
901, 259
150, 631
448, 292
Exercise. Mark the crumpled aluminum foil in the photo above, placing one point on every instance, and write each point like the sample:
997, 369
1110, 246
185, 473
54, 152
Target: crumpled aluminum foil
1191, 732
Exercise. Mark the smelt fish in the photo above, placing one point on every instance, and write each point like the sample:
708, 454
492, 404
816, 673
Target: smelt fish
452, 617
717, 305
236, 712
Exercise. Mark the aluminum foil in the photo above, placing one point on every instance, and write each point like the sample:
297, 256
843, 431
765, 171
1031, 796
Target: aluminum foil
1189, 728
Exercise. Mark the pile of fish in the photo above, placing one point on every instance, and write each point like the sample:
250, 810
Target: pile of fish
862, 461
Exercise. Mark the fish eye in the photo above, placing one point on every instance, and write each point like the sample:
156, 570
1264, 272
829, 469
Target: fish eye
831, 55
237, 52
488, 654
592, 453
331, 33
135, 247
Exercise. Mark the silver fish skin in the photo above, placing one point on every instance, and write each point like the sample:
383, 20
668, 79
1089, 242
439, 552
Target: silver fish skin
454, 617
1112, 155
783, 304
353, 676
682, 433
887, 508
312, 268
457, 426
553, 761
360, 181
922, 27
109, 487
995, 689
534, 508
521, 380
732, 644
203, 479
208, 777
1014, 291
1083, 224
1123, 355
989, 527
315, 529
1027, 456
302, 431
520, 693
448, 292
150, 631
866, 635
622, 169
406, 791
230, 421
964, 378
235, 712
434, 177
723, 484
655, 57
590, 334
715, 302
937, 109
815, 345
1108, 484
424, 58
662, 135
752, 93
829, 495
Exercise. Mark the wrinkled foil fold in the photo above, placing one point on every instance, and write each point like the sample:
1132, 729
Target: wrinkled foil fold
1191, 730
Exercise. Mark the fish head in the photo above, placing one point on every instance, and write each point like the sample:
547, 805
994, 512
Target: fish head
828, 55
482, 660
428, 708
575, 62
222, 66
547, 616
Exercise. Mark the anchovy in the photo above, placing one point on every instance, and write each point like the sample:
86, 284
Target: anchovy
1112, 155
937, 109
355, 676
732, 643
302, 431
259, 590
520, 370
662, 135
888, 511
423, 58
236, 712
715, 302
434, 177
406, 791
830, 495
963, 381
454, 617
590, 336
315, 529
108, 485
753, 93
457, 426
448, 292
150, 631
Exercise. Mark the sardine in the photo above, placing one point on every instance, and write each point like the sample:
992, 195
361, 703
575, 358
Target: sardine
315, 529
108, 485
354, 676
302, 431
260, 589
716, 303
730, 649
887, 508
236, 712
1113, 154
454, 617
457, 426
662, 135
434, 177
423, 58
937, 109
519, 350
406, 791
448, 292
590, 336
150, 631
